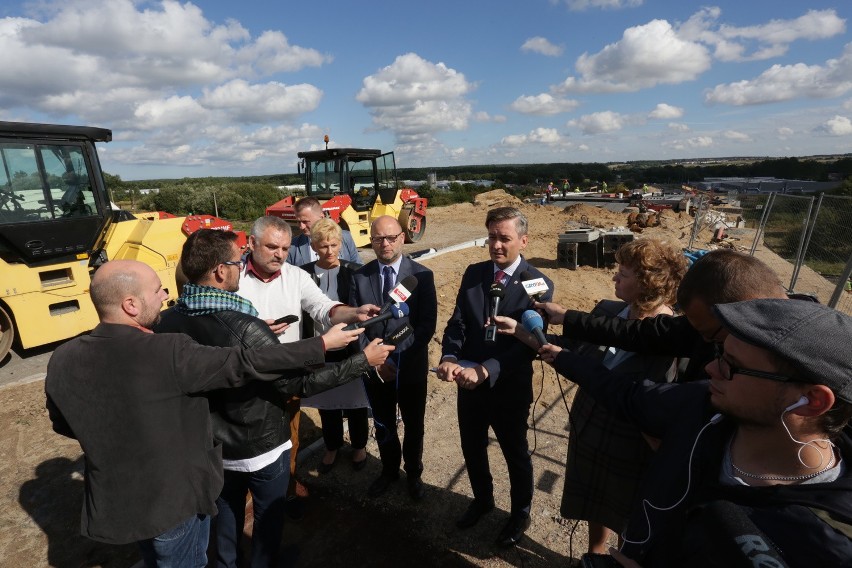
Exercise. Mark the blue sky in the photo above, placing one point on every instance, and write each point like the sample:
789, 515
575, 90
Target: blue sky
237, 88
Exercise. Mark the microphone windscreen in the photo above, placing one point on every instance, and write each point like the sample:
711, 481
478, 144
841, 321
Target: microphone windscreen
399, 335
400, 310
410, 282
531, 320
497, 290
527, 275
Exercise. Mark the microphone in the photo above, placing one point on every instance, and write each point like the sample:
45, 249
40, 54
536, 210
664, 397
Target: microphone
394, 312
497, 291
400, 293
534, 287
399, 335
533, 323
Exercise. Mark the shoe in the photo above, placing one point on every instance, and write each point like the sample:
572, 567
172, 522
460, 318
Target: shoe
359, 465
416, 489
474, 512
513, 530
381, 484
323, 467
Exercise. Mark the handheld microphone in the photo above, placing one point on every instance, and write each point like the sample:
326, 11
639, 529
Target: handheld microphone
400, 293
534, 287
399, 335
533, 323
394, 312
497, 291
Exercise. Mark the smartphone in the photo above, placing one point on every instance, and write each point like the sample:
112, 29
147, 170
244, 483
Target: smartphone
287, 319
591, 560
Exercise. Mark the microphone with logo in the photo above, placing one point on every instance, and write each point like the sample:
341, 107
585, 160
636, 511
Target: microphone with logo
400, 293
394, 339
534, 287
394, 312
497, 291
533, 323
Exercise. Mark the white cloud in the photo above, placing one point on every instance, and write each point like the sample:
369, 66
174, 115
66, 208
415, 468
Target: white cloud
837, 126
598, 122
787, 82
700, 142
847, 104
763, 41
784, 132
413, 96
547, 136
543, 46
646, 56
579, 5
261, 103
543, 104
666, 112
482, 116
678, 127
736, 136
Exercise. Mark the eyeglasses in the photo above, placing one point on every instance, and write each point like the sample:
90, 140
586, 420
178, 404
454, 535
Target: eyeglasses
389, 239
241, 263
728, 370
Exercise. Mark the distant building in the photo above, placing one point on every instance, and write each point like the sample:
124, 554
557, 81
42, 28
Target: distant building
764, 185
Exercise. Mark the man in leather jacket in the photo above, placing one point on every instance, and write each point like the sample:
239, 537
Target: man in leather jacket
251, 422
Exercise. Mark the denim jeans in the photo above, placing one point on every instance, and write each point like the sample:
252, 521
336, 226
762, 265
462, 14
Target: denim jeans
183, 546
268, 487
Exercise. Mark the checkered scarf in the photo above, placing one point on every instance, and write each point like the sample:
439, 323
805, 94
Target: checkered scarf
197, 300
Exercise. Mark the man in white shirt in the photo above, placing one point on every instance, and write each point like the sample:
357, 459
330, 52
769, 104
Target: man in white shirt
278, 289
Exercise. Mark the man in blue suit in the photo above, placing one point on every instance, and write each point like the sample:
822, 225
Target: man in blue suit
493, 373
401, 380
309, 211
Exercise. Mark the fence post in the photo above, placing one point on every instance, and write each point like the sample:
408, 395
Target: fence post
841, 284
803, 240
763, 219
700, 213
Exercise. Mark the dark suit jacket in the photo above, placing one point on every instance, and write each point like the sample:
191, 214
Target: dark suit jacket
508, 361
125, 395
344, 281
366, 288
300, 250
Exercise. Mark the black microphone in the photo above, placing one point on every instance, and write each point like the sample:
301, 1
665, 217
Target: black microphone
734, 538
534, 287
399, 335
394, 312
400, 293
533, 323
497, 291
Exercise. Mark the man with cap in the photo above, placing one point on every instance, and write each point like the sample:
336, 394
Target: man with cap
753, 468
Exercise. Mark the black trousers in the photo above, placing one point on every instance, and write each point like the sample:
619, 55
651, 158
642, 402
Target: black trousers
480, 409
409, 391
332, 427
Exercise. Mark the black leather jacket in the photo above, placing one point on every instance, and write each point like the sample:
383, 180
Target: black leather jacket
251, 420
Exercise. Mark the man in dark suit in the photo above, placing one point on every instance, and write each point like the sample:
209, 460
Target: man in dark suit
403, 376
494, 376
153, 470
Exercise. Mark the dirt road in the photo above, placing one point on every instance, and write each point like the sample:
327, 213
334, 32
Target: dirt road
42, 472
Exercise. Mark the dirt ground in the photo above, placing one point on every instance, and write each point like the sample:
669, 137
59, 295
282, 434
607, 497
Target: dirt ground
42, 472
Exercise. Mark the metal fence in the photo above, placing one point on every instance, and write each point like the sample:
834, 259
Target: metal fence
806, 240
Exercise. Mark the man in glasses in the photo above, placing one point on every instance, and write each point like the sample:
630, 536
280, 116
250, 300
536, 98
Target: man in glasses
403, 377
308, 211
251, 422
754, 463
719, 277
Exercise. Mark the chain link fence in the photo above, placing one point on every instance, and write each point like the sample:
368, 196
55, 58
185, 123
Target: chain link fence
806, 240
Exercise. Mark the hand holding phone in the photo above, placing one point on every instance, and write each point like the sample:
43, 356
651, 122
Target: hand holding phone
286, 319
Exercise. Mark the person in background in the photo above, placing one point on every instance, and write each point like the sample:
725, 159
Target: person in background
250, 421
494, 377
333, 275
403, 377
278, 289
129, 396
753, 466
309, 211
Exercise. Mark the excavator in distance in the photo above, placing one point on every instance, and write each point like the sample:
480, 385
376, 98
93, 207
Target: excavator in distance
58, 225
355, 186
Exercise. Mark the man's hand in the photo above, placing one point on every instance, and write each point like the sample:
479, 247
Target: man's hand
471, 377
549, 352
277, 328
448, 370
387, 371
377, 352
336, 338
554, 312
347, 314
367, 311
506, 325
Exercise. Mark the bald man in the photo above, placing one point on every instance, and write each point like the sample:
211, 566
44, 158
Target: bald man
152, 469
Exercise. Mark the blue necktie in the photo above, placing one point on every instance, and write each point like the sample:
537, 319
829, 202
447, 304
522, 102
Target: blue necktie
387, 284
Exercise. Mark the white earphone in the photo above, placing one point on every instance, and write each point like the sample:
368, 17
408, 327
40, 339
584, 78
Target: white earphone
801, 402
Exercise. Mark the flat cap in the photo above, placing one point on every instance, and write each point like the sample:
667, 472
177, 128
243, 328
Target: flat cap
814, 338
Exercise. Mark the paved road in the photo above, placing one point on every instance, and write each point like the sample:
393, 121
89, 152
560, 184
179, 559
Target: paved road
20, 367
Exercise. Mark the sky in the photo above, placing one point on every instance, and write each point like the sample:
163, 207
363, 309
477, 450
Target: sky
224, 88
